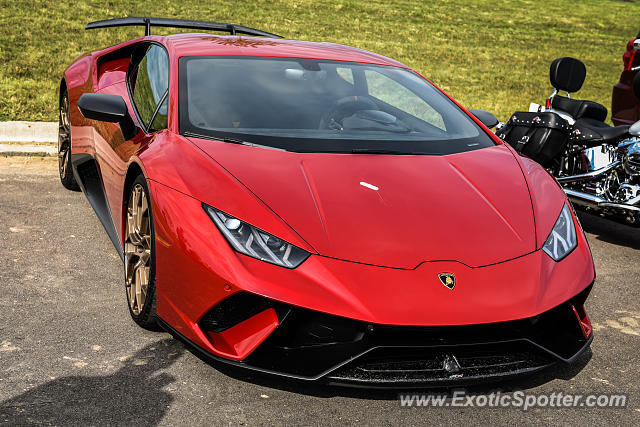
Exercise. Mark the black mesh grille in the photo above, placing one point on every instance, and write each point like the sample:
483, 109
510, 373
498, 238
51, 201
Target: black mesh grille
444, 364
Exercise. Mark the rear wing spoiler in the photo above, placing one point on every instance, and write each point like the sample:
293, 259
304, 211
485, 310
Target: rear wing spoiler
177, 23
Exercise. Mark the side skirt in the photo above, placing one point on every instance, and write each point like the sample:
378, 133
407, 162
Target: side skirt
85, 170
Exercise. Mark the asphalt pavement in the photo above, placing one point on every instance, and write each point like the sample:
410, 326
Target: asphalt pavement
70, 354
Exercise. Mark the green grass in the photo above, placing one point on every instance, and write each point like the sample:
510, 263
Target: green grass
486, 54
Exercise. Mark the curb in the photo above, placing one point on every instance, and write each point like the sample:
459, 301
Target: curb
28, 132
21, 138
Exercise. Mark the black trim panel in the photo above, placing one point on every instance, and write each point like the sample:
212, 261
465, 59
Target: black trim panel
87, 174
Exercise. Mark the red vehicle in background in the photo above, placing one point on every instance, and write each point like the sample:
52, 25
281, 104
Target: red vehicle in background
625, 107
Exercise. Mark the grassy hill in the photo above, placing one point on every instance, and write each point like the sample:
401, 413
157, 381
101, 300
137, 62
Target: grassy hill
485, 53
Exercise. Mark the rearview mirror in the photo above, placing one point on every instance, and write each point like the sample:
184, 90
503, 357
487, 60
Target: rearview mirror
108, 108
485, 117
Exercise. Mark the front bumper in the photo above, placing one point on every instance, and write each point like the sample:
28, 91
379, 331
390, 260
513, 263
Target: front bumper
308, 345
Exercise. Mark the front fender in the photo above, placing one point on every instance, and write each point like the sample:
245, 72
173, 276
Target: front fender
173, 161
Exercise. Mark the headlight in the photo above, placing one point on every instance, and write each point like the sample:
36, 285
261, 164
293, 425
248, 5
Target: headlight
251, 241
562, 239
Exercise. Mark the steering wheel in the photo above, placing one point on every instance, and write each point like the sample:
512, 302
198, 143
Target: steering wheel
343, 108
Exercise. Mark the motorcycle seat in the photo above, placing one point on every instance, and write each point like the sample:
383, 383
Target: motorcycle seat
580, 109
592, 132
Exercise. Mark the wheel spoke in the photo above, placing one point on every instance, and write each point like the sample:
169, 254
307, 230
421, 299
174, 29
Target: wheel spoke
64, 138
144, 256
65, 162
143, 273
135, 209
139, 279
143, 224
130, 226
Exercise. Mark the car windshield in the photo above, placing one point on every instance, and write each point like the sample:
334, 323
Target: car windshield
307, 105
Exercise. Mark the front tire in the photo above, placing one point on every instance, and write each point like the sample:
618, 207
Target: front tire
139, 256
64, 144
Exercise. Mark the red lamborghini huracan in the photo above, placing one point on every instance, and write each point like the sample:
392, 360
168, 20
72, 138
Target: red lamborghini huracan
320, 212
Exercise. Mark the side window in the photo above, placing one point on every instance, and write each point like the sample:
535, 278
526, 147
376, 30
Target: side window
149, 86
345, 74
398, 96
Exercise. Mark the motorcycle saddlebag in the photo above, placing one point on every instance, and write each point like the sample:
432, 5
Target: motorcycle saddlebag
539, 136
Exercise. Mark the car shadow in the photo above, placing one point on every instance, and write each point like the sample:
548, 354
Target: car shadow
132, 395
560, 371
610, 231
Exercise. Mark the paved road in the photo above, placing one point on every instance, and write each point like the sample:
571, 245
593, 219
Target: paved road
69, 354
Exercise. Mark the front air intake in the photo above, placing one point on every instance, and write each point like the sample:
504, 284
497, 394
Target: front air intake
236, 309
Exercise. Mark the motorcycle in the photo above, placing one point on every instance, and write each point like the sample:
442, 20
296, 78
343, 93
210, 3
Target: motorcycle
597, 165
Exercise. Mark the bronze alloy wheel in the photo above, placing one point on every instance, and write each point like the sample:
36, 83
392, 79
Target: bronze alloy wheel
137, 249
64, 145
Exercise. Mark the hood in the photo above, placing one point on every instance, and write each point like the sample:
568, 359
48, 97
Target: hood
392, 210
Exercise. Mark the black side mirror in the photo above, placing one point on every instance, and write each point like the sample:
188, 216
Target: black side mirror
487, 119
108, 108
636, 85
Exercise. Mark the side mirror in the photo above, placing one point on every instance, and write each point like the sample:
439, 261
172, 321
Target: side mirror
485, 117
108, 108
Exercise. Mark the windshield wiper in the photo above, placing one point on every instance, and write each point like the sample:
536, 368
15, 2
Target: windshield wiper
235, 141
377, 151
231, 141
223, 139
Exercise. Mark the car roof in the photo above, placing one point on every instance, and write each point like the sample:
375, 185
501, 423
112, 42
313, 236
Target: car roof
193, 44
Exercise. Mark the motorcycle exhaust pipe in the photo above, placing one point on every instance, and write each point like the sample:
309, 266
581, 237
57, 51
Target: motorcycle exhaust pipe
592, 201
588, 175
584, 199
621, 206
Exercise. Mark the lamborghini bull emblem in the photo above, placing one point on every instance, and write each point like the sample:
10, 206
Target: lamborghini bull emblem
448, 279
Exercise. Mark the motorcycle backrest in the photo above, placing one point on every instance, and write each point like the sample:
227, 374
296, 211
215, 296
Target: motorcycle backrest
567, 74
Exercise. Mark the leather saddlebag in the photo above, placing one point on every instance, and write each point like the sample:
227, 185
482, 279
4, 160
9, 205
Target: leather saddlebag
539, 136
